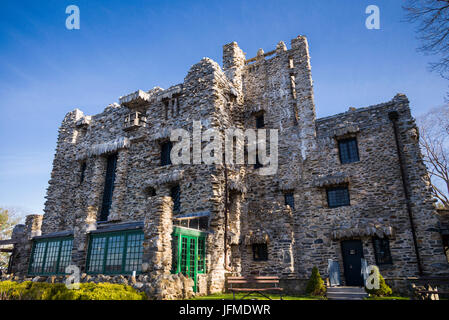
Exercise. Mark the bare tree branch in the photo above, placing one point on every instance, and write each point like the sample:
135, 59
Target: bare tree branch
432, 19
434, 142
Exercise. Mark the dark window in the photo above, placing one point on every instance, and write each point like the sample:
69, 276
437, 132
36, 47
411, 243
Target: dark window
83, 171
337, 197
260, 121
150, 191
260, 252
289, 199
257, 165
446, 246
108, 187
175, 193
115, 253
165, 153
382, 251
348, 150
50, 256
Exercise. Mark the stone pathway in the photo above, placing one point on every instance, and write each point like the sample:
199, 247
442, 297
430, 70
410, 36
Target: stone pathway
346, 293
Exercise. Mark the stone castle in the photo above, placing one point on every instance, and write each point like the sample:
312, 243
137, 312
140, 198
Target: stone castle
348, 187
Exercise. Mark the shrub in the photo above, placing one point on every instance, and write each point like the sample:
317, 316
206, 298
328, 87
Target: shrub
383, 290
315, 286
10, 290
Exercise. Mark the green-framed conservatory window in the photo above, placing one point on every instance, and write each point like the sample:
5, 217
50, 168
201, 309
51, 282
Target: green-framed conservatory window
50, 256
115, 252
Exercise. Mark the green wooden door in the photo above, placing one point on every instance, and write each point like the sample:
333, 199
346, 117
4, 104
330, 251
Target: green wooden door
188, 250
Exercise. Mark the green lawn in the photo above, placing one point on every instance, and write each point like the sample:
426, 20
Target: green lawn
388, 298
228, 296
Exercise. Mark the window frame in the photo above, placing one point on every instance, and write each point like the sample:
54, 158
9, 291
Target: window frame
334, 188
124, 253
376, 254
60, 240
347, 140
263, 257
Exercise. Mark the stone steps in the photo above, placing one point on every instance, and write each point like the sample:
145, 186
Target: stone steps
346, 293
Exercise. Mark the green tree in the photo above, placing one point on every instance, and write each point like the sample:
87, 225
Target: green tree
315, 286
7, 223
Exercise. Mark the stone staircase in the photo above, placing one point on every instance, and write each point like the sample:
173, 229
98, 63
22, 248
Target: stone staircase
346, 293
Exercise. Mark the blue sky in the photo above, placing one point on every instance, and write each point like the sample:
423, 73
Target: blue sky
47, 70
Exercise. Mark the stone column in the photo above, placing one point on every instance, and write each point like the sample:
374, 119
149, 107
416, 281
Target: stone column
304, 94
23, 234
158, 227
87, 217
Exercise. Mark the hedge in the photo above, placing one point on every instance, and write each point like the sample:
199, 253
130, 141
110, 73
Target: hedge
10, 290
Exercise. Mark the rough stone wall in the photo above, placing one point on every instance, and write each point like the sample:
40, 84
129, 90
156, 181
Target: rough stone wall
22, 235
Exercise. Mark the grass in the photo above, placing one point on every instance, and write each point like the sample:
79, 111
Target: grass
388, 298
238, 296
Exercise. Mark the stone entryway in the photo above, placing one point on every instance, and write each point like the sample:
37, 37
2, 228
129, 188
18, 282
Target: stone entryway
352, 252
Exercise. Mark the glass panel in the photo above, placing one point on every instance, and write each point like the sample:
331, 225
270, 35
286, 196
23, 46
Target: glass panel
191, 270
51, 259
338, 197
348, 150
134, 252
382, 251
97, 255
114, 256
66, 255
184, 255
38, 257
201, 255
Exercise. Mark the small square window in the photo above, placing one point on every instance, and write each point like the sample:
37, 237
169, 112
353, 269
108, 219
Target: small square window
382, 251
289, 199
337, 196
260, 252
165, 153
348, 150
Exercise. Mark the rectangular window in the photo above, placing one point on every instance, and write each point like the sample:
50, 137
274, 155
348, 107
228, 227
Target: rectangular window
108, 187
382, 251
289, 199
446, 246
348, 150
83, 171
337, 197
260, 123
50, 256
175, 193
115, 253
260, 252
165, 153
